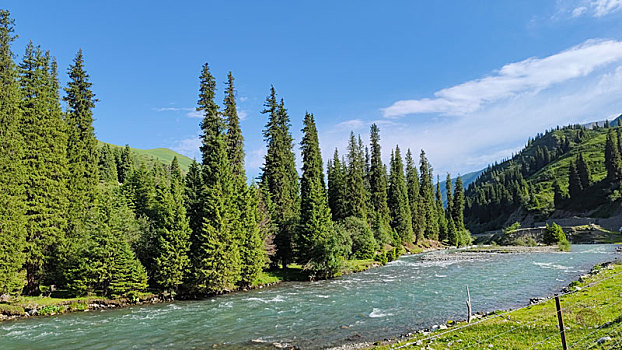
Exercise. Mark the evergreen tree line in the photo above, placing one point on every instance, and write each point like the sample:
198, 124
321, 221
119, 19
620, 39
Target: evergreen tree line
95, 220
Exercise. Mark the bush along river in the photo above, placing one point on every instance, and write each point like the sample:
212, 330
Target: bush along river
410, 293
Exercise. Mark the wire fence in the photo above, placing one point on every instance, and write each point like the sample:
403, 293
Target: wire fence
592, 318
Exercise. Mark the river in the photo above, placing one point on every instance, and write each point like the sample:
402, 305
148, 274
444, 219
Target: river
384, 302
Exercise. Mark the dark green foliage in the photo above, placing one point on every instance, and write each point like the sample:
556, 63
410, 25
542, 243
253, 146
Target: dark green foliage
124, 163
255, 228
193, 198
378, 185
214, 251
574, 182
558, 195
12, 196
583, 171
553, 234
139, 187
107, 165
43, 130
316, 239
613, 163
363, 241
172, 233
426, 193
440, 210
280, 176
453, 237
105, 263
399, 206
355, 193
235, 140
337, 193
414, 199
458, 205
82, 154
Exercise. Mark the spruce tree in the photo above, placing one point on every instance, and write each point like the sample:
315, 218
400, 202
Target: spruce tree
82, 154
458, 207
124, 164
107, 165
337, 192
235, 140
414, 199
12, 196
280, 177
378, 184
449, 199
45, 161
583, 171
252, 251
172, 233
215, 251
442, 221
193, 198
574, 182
316, 234
426, 193
399, 206
355, 196
613, 163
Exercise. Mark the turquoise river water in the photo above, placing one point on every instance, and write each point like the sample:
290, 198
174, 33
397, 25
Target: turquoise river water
384, 302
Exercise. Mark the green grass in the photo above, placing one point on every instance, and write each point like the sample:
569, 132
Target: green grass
592, 312
163, 155
353, 266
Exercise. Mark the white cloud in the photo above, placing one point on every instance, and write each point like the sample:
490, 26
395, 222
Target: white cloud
190, 112
605, 7
529, 76
579, 11
593, 8
242, 114
243, 98
189, 147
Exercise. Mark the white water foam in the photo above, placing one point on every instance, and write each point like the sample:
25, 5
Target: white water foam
375, 313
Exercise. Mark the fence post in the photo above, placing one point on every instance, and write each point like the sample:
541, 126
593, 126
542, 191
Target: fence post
562, 330
468, 303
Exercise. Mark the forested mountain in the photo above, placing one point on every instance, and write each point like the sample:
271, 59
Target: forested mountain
575, 169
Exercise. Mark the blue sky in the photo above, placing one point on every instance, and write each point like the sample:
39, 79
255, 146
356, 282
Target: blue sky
468, 81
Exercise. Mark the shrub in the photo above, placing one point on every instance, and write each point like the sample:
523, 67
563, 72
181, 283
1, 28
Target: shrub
50, 310
363, 241
515, 226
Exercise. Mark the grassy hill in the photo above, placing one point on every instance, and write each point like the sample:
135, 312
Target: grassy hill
163, 155
524, 186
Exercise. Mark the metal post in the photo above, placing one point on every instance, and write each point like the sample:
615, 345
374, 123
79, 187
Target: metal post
468, 305
562, 330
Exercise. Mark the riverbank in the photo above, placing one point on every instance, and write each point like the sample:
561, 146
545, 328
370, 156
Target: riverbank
590, 306
24, 306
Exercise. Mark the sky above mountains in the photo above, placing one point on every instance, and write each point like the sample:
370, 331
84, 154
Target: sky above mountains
467, 81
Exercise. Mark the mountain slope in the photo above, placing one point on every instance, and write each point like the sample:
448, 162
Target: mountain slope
467, 179
523, 188
163, 155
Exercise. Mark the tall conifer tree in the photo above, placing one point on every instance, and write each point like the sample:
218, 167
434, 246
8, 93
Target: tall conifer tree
12, 196
43, 130
426, 192
583, 171
458, 206
613, 162
399, 206
82, 154
337, 187
355, 195
414, 199
316, 234
280, 176
442, 221
214, 251
378, 183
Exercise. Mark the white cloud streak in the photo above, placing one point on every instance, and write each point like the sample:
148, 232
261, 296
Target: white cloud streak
529, 76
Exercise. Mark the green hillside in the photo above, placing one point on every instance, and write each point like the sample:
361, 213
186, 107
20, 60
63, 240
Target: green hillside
163, 155
525, 185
